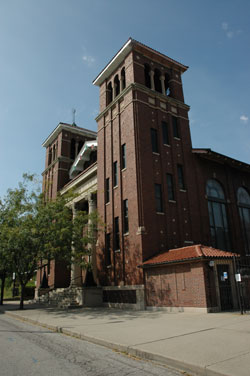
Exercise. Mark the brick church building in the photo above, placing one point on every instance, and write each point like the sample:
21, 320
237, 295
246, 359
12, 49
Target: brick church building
174, 216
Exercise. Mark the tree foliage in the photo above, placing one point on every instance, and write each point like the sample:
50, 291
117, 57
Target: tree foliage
32, 229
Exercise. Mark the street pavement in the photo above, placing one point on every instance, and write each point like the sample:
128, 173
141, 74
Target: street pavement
28, 350
204, 344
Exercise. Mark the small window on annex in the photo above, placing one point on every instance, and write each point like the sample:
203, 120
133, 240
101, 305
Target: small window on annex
218, 221
243, 201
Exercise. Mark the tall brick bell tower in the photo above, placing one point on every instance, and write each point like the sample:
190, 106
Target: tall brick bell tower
144, 152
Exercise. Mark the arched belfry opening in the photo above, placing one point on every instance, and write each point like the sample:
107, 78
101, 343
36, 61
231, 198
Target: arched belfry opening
147, 75
109, 93
117, 85
167, 87
157, 80
72, 148
123, 79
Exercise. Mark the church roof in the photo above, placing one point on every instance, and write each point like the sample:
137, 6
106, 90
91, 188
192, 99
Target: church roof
220, 158
69, 127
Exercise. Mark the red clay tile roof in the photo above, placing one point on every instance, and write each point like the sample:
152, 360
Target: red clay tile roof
188, 253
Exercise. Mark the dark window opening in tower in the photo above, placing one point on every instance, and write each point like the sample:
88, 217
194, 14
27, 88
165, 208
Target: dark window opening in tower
123, 78
117, 85
109, 93
167, 87
157, 80
50, 157
80, 145
92, 159
147, 75
72, 148
54, 153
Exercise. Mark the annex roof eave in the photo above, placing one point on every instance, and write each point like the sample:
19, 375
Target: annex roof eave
120, 55
68, 127
213, 155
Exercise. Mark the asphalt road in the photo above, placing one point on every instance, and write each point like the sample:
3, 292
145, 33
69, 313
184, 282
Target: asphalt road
27, 350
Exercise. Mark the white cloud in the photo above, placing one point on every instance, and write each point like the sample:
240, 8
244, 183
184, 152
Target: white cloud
224, 26
228, 31
230, 34
88, 59
244, 118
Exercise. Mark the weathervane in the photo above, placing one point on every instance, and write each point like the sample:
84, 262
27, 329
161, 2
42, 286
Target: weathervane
74, 116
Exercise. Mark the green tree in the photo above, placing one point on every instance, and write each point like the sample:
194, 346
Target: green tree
32, 229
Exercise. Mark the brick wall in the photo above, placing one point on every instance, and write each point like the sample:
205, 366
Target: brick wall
181, 285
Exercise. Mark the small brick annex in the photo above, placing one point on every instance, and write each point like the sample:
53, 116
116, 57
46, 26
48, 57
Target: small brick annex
191, 278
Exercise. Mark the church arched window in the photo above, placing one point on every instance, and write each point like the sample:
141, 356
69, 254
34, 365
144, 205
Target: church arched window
218, 221
243, 201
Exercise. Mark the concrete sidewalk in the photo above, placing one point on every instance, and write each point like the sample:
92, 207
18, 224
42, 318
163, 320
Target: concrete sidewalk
203, 344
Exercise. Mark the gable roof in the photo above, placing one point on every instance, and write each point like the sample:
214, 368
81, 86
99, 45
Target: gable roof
194, 252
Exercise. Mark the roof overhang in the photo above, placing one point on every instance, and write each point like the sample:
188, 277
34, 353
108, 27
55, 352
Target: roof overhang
124, 51
220, 158
82, 157
68, 127
114, 63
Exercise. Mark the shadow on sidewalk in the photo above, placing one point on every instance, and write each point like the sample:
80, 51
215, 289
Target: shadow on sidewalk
109, 314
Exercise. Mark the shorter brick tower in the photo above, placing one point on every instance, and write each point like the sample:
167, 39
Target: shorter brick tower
62, 147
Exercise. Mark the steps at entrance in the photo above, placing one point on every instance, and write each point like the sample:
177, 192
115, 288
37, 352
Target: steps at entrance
61, 298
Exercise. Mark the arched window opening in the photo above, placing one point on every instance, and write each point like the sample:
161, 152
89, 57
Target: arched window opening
157, 80
147, 75
167, 87
214, 190
72, 148
123, 79
109, 93
80, 145
54, 152
117, 85
217, 215
50, 156
243, 200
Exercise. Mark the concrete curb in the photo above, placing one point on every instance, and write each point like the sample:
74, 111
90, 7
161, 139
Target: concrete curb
130, 350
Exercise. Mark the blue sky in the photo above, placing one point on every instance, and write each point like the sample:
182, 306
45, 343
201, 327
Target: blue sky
51, 50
